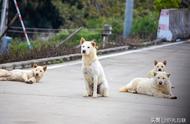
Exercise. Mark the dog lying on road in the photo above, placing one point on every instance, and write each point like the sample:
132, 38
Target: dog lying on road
158, 86
28, 76
95, 80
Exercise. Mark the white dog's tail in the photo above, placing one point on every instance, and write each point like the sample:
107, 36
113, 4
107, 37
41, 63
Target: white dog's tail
123, 89
4, 73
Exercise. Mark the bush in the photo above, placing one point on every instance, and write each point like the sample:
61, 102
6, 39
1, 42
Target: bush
145, 26
165, 4
19, 48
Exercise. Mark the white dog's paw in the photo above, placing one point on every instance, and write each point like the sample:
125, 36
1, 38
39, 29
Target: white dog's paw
95, 95
29, 82
86, 94
106, 94
173, 97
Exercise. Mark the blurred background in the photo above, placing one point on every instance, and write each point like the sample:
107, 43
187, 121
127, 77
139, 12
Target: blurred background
54, 27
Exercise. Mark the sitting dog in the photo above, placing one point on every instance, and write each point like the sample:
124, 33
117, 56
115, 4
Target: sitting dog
158, 86
95, 80
28, 76
158, 66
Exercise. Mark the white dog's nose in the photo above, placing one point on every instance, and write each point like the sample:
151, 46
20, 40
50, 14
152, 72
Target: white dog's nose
84, 51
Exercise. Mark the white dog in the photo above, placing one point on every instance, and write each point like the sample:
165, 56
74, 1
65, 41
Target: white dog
28, 76
158, 66
158, 86
95, 80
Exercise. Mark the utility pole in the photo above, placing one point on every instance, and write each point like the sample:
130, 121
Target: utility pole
4, 15
128, 17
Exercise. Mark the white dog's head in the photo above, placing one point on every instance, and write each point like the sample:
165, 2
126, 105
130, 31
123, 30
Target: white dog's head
87, 47
38, 71
160, 66
161, 78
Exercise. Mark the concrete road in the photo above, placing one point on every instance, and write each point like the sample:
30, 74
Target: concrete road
58, 99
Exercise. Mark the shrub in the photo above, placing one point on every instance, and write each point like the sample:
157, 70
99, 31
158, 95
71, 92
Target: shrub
145, 26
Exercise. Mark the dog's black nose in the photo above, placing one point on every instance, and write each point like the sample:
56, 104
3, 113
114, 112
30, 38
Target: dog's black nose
159, 69
37, 74
84, 51
160, 83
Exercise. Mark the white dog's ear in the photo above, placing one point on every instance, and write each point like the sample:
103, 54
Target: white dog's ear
164, 62
155, 62
93, 43
82, 40
45, 67
154, 73
168, 75
34, 65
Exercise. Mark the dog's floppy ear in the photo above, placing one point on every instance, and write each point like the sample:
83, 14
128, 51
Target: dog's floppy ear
34, 65
168, 75
164, 62
82, 40
155, 62
45, 67
154, 73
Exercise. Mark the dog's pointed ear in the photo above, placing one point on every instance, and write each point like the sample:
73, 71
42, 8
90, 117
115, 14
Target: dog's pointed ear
94, 44
154, 73
155, 62
168, 75
165, 62
45, 67
82, 40
34, 65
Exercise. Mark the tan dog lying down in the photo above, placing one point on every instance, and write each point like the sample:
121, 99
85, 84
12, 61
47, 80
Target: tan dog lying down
158, 86
28, 76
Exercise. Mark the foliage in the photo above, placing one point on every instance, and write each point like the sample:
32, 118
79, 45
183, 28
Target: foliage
36, 13
164, 4
17, 46
71, 14
145, 26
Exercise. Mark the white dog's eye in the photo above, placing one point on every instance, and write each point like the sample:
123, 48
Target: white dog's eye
83, 46
163, 78
40, 70
162, 66
88, 47
158, 77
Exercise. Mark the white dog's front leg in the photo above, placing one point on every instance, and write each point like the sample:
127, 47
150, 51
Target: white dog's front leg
25, 79
171, 94
88, 91
95, 86
32, 80
104, 89
159, 94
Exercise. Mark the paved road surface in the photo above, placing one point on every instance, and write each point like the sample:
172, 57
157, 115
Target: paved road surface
58, 98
